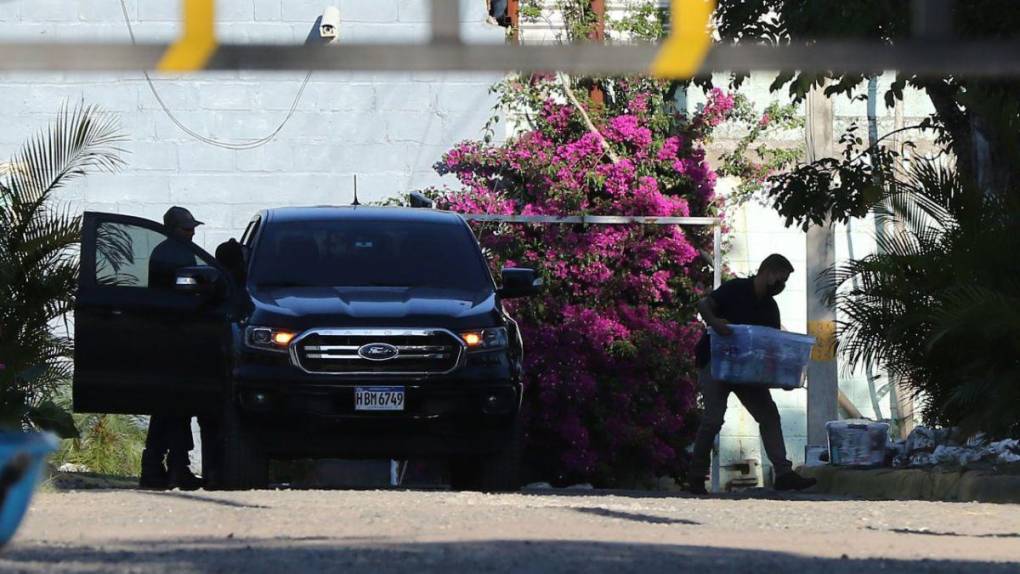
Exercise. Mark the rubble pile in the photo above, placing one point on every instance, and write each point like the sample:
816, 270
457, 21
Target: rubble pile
926, 447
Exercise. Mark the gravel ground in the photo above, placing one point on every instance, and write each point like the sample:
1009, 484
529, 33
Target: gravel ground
536, 531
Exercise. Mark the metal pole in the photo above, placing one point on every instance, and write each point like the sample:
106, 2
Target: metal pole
716, 282
514, 12
823, 379
445, 22
716, 255
598, 35
986, 58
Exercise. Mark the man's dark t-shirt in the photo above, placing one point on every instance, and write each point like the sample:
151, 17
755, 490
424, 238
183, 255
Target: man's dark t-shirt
166, 259
737, 303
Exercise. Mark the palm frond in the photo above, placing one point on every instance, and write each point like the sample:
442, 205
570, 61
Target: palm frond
80, 140
938, 305
38, 248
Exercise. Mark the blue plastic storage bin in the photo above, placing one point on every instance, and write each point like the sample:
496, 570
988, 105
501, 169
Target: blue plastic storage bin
761, 356
857, 442
22, 457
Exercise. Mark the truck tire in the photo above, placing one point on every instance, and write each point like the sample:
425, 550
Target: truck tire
244, 463
499, 472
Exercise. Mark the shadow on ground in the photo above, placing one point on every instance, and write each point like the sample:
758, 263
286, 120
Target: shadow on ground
199, 497
381, 556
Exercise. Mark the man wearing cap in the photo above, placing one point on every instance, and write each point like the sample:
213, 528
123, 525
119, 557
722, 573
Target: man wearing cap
169, 436
173, 253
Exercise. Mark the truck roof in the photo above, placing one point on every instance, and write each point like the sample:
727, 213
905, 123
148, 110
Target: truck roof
361, 212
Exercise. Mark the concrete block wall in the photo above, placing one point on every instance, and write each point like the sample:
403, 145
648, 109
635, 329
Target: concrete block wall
389, 128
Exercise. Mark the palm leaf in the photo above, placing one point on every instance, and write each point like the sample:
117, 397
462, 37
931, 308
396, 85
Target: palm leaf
38, 248
938, 306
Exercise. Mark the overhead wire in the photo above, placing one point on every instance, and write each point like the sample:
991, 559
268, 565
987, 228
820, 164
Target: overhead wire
247, 144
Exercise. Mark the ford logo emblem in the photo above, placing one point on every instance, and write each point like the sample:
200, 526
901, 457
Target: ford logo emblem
378, 352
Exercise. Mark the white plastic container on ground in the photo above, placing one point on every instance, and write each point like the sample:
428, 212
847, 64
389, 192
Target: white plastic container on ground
761, 356
857, 442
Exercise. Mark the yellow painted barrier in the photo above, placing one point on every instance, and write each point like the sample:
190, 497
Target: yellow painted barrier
825, 345
194, 49
684, 51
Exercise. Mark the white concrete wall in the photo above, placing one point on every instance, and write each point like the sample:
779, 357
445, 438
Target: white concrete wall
387, 128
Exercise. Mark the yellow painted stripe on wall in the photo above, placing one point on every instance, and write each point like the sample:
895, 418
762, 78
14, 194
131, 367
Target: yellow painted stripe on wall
684, 51
194, 49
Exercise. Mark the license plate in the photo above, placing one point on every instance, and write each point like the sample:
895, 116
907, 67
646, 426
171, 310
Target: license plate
379, 398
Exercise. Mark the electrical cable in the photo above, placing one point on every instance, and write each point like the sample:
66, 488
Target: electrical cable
237, 146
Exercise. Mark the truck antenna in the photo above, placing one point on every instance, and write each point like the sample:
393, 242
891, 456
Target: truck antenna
356, 202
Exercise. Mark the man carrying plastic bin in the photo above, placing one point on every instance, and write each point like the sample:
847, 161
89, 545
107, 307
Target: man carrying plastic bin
742, 302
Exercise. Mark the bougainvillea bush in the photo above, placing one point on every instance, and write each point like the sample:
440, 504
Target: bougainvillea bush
609, 345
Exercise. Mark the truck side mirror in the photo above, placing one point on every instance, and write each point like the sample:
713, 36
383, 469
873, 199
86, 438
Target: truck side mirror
200, 280
520, 283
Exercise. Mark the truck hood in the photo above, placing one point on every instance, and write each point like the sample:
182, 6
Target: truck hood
306, 307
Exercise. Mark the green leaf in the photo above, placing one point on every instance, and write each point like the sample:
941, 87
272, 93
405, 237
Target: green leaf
49, 416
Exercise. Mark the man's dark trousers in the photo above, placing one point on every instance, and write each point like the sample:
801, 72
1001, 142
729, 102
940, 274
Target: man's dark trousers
758, 401
169, 436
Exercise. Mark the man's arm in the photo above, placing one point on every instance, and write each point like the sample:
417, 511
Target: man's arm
708, 307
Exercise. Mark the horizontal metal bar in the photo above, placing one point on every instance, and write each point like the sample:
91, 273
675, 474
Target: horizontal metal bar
984, 58
332, 356
396, 332
422, 348
596, 219
401, 348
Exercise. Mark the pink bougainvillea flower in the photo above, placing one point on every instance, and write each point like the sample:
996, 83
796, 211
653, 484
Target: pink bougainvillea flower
609, 372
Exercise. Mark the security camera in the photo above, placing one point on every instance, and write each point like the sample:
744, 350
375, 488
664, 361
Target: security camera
329, 26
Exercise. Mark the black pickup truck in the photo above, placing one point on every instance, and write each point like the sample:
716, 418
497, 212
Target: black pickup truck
349, 332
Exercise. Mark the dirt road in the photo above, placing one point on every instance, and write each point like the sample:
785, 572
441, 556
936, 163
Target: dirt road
540, 531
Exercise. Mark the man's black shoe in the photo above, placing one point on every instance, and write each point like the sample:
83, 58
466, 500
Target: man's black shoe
697, 487
793, 481
153, 481
184, 480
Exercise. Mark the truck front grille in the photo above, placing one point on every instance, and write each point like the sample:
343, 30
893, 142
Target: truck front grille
346, 351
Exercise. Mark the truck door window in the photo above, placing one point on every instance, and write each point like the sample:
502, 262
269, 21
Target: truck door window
251, 231
124, 253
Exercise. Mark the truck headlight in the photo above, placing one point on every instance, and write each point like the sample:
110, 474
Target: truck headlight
267, 338
485, 339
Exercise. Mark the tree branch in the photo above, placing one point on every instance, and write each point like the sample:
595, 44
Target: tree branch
565, 81
873, 146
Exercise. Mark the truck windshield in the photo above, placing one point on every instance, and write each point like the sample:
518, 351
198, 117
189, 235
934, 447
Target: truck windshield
346, 253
